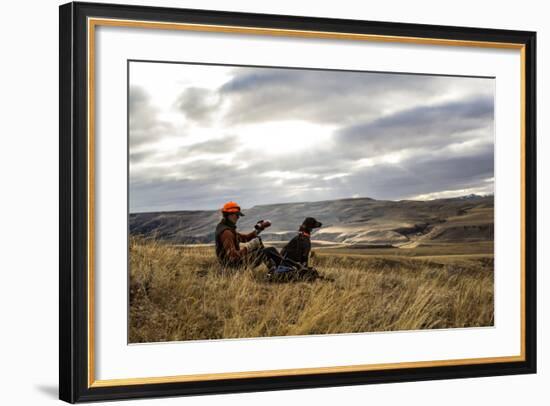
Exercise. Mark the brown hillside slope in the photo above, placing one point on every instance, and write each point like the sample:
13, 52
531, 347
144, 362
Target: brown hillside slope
405, 223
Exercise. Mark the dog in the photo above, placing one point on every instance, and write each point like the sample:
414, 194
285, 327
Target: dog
299, 247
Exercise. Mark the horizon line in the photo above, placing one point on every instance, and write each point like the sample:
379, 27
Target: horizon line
317, 201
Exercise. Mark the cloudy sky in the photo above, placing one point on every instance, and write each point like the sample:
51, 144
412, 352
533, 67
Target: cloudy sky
201, 135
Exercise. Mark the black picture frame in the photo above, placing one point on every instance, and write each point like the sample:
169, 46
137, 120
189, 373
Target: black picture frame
74, 384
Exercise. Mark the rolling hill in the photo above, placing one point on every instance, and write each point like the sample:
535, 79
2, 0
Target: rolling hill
346, 222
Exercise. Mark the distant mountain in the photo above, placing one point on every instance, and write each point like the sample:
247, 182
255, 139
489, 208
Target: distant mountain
471, 196
357, 221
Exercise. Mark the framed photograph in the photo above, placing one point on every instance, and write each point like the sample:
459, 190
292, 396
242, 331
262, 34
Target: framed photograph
257, 202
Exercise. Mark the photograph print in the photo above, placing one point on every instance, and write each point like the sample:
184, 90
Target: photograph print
276, 201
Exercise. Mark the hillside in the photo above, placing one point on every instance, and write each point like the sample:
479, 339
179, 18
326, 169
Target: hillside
346, 222
180, 293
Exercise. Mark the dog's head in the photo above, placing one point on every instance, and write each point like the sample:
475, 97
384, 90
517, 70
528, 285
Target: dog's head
310, 223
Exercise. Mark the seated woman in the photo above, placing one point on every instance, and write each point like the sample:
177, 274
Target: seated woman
228, 250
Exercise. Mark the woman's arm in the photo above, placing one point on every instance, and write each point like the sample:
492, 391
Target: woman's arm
247, 237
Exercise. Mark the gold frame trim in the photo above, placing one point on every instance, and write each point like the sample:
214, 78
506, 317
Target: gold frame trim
93, 22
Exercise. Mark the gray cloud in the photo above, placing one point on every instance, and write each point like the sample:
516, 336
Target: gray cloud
202, 193
331, 96
197, 103
138, 157
419, 132
215, 146
441, 126
144, 124
423, 127
210, 184
422, 176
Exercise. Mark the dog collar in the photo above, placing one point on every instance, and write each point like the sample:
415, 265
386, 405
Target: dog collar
305, 233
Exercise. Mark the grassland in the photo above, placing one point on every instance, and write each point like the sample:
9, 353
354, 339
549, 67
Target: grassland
180, 293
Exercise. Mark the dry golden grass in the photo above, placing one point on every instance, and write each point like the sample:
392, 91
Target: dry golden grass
179, 293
